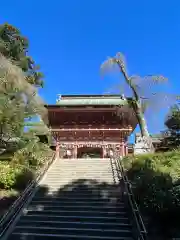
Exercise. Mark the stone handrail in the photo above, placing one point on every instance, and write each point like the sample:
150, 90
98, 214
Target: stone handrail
141, 232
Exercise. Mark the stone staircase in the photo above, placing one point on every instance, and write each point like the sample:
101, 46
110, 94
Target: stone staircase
76, 199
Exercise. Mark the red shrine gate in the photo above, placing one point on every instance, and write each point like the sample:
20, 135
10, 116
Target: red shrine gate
83, 123
71, 148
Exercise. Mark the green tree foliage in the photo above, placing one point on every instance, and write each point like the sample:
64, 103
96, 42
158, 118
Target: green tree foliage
155, 179
172, 134
33, 154
41, 130
14, 46
19, 101
139, 102
8, 175
25, 163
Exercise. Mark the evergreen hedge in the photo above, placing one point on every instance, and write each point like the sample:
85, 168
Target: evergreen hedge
156, 184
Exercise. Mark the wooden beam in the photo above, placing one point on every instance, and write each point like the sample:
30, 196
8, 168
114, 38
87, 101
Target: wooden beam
110, 109
91, 129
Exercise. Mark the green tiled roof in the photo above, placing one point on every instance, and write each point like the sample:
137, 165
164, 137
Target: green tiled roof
92, 101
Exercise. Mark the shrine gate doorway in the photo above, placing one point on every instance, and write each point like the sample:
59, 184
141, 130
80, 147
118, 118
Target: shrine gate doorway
89, 152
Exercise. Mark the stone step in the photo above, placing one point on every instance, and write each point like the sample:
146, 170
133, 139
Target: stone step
74, 180
102, 195
83, 171
87, 203
92, 167
80, 167
72, 174
70, 185
72, 231
74, 224
73, 199
62, 179
85, 213
80, 175
42, 236
74, 170
105, 165
74, 218
84, 160
75, 195
77, 199
76, 208
97, 170
82, 164
59, 175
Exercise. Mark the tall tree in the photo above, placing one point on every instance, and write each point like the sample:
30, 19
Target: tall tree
14, 46
19, 101
133, 83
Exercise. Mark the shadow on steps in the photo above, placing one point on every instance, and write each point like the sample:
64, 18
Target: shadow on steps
83, 209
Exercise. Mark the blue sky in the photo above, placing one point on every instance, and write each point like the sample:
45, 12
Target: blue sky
70, 39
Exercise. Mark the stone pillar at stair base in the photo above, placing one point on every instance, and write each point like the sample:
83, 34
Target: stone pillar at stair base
123, 149
57, 149
126, 150
75, 152
104, 152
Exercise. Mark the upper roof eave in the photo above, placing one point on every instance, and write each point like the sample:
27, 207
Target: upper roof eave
92, 102
77, 106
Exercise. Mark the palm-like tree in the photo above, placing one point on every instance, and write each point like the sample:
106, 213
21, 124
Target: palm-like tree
132, 82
